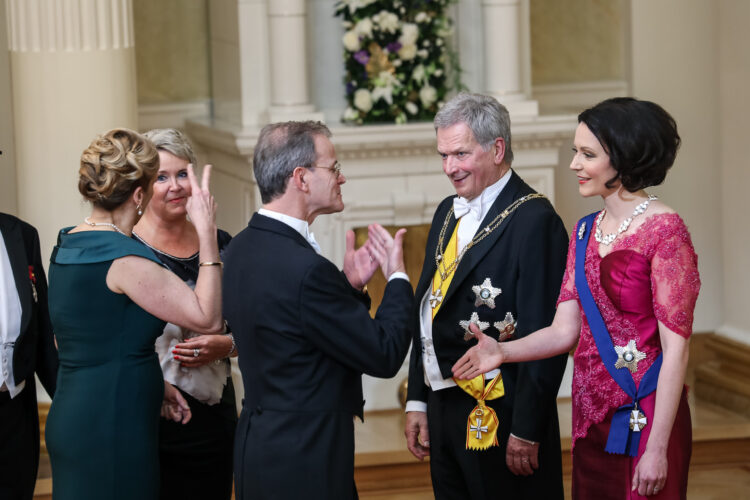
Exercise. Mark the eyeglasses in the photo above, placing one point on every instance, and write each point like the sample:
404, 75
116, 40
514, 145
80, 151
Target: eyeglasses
336, 169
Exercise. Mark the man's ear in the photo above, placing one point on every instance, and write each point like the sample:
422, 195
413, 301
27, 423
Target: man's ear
499, 155
299, 179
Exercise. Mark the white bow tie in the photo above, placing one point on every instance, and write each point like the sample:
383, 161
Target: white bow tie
461, 207
311, 240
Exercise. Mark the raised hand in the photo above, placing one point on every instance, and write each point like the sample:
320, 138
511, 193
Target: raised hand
359, 264
388, 251
201, 206
483, 357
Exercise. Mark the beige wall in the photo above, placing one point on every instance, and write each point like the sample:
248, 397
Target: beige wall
8, 197
172, 61
734, 125
577, 40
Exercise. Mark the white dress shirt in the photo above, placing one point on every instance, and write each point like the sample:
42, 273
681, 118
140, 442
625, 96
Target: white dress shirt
467, 227
10, 322
303, 228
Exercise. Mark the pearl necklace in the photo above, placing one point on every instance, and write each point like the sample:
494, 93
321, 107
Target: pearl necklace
87, 221
624, 225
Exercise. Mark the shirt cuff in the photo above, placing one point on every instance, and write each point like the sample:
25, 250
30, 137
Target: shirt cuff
527, 441
416, 406
397, 275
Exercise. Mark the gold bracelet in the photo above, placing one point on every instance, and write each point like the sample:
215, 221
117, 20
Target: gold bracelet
220, 264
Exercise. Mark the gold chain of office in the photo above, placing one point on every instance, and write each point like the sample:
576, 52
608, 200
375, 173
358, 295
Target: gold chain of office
477, 237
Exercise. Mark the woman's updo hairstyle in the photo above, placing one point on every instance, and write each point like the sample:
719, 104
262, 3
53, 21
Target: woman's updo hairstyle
114, 165
640, 138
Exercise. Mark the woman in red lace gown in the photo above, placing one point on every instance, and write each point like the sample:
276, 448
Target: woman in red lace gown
642, 271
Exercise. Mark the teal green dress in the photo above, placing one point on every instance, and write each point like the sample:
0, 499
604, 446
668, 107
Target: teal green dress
102, 428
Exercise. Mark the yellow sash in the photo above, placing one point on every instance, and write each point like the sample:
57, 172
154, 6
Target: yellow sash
440, 286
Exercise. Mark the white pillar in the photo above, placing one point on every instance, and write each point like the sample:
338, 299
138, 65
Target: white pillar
73, 76
287, 27
507, 54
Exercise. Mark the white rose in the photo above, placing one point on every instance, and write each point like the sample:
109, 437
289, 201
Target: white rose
411, 108
438, 72
418, 73
388, 21
351, 41
363, 100
422, 17
364, 27
350, 114
428, 96
409, 34
423, 53
407, 52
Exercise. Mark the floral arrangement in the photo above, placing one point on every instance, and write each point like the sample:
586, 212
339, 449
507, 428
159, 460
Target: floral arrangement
398, 63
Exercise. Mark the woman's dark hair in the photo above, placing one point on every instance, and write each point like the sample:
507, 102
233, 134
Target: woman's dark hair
640, 138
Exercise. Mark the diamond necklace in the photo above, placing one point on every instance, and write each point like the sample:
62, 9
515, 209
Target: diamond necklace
87, 221
624, 225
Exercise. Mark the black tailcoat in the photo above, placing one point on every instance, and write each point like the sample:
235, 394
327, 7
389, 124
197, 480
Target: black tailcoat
304, 337
525, 258
34, 352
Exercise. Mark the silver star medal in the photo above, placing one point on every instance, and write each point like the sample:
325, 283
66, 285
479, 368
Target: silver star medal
482, 325
582, 230
629, 356
486, 294
506, 327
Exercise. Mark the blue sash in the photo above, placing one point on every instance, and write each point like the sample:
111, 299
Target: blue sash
622, 439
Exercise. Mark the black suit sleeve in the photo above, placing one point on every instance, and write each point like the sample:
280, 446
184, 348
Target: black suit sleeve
46, 353
339, 324
542, 255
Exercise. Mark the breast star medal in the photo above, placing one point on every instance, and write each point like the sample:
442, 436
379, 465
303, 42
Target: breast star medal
485, 293
506, 327
468, 334
629, 356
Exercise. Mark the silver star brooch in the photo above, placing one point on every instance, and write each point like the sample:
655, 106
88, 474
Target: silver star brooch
486, 294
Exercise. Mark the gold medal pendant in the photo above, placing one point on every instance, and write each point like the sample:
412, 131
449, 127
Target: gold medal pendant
482, 423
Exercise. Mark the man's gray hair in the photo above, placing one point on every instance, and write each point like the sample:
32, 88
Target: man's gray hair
281, 148
174, 142
487, 119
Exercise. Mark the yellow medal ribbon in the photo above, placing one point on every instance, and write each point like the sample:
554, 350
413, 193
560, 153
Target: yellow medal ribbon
481, 426
444, 272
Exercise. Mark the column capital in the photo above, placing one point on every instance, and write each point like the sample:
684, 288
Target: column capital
55, 26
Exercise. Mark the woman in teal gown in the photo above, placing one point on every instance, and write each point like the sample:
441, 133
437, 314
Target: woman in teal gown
109, 300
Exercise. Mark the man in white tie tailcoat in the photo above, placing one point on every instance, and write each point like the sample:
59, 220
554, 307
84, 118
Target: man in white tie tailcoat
495, 257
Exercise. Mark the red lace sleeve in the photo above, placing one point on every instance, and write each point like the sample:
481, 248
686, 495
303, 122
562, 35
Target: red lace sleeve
674, 276
568, 288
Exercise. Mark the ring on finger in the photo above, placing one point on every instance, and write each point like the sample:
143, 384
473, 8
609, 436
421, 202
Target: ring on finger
196, 352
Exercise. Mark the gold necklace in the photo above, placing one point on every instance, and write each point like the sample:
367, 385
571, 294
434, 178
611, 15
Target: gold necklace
479, 236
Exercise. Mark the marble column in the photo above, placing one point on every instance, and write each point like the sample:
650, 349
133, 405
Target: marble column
290, 95
507, 56
73, 76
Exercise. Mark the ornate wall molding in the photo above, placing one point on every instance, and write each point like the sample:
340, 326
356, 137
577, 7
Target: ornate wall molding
69, 25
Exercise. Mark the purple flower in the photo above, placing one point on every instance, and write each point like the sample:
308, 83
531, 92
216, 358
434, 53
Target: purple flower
393, 47
350, 87
362, 57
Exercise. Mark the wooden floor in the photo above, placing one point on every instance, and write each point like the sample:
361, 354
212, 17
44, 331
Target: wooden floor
720, 465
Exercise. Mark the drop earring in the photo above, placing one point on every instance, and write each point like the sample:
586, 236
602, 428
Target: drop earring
140, 211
